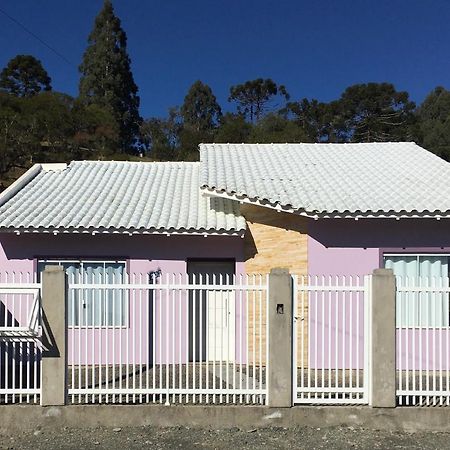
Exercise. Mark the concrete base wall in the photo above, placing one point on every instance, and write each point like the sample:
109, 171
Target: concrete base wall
20, 418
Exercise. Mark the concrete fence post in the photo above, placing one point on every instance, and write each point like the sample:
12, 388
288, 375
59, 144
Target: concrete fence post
54, 337
383, 351
280, 338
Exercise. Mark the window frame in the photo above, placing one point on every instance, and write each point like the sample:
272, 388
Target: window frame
417, 255
125, 323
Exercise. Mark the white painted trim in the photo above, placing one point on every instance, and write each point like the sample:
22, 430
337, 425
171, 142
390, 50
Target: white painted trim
95, 231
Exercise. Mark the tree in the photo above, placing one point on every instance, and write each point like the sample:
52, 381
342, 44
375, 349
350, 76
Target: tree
253, 97
95, 132
107, 80
376, 112
433, 130
200, 108
276, 128
24, 76
161, 136
18, 140
233, 129
314, 117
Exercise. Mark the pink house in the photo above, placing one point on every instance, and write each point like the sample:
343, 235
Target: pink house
318, 209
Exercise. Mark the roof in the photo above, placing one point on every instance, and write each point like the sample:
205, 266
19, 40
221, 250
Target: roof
119, 197
331, 180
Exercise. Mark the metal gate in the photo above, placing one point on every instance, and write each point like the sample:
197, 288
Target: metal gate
331, 340
20, 340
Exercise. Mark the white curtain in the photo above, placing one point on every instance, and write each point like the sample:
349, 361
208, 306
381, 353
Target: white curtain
94, 307
423, 309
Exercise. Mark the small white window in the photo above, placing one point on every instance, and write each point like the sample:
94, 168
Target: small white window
97, 306
421, 309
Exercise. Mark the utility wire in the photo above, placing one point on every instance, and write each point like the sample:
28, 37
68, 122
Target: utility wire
21, 25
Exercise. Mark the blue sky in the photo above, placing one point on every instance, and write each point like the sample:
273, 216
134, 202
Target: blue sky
316, 48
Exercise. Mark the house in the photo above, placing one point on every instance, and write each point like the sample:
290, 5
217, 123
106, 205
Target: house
336, 209
317, 209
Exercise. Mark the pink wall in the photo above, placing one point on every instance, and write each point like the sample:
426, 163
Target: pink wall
349, 248
143, 254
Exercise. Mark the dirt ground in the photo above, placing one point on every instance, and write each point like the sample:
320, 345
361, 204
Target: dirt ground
187, 438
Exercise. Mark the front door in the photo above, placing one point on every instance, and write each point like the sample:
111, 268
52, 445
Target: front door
212, 312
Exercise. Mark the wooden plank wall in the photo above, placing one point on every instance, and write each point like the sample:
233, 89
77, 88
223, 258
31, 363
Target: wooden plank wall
274, 239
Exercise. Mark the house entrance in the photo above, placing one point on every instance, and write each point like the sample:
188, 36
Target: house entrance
211, 312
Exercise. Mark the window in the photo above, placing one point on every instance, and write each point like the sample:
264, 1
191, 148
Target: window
421, 309
94, 307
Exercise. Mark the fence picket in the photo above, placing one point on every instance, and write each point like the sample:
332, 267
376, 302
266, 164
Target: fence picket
332, 315
195, 353
423, 344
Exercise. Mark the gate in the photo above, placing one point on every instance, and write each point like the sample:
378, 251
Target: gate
178, 339
331, 340
20, 339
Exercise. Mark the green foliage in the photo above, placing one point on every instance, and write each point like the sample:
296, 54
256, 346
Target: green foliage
319, 121
200, 109
189, 140
160, 136
253, 97
103, 123
24, 76
233, 129
96, 133
376, 112
433, 130
52, 127
275, 128
107, 80
17, 136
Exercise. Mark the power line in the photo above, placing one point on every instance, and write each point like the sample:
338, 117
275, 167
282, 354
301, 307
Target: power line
21, 25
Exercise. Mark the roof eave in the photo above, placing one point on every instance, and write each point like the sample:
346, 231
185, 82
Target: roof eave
126, 232
242, 198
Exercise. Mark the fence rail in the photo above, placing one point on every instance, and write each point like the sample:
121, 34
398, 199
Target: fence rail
423, 341
176, 339
331, 340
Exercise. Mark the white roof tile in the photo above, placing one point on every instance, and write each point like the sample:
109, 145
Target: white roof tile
323, 180
110, 196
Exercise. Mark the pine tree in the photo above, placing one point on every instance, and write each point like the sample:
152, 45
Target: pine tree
107, 80
24, 76
200, 108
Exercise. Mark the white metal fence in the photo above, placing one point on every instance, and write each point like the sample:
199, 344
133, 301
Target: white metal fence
20, 338
331, 340
423, 341
171, 339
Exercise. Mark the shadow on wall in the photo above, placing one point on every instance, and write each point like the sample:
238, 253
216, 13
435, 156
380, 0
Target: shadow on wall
19, 358
266, 224
139, 247
376, 233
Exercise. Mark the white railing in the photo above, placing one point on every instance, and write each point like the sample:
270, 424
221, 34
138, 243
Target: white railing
331, 340
20, 338
177, 339
423, 341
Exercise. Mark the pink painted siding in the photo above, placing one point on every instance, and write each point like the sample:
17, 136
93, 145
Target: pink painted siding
143, 254
423, 349
349, 247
